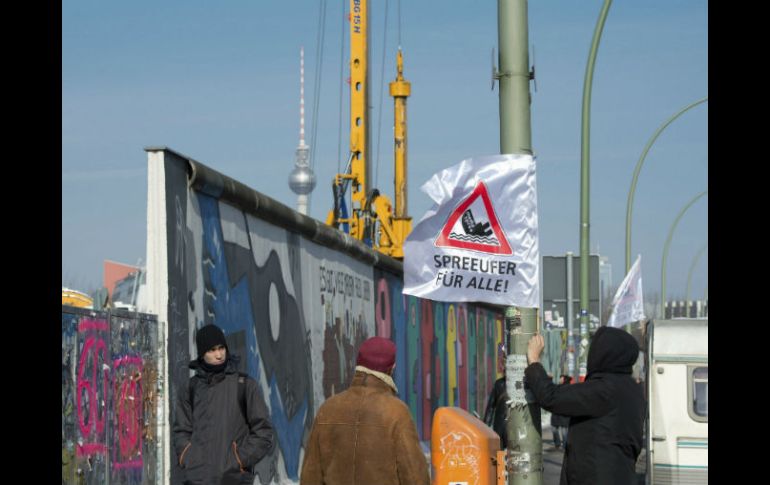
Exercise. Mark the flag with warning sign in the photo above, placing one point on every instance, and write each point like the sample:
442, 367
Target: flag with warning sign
479, 241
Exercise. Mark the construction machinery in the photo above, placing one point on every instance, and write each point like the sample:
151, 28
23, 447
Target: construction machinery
373, 218
76, 298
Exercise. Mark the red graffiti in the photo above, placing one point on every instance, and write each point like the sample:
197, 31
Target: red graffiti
128, 412
91, 399
382, 312
91, 449
98, 325
129, 464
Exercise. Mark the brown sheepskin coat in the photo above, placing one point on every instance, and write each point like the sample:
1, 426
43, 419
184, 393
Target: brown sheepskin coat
363, 436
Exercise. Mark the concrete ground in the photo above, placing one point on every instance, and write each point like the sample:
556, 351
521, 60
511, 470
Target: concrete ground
552, 460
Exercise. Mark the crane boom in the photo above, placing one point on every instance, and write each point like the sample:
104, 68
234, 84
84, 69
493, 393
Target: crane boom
371, 213
359, 116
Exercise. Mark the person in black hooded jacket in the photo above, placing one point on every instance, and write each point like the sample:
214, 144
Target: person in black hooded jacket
606, 411
220, 432
497, 406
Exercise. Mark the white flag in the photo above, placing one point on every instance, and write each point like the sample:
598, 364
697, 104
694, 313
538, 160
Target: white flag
627, 306
479, 241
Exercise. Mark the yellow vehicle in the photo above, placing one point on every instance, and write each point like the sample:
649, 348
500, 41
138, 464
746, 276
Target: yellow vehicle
76, 298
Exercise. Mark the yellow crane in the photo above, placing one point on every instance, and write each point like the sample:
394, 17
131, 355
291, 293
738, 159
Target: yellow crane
400, 89
372, 213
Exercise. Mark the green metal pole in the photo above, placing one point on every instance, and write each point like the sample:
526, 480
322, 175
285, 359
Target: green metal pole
689, 279
635, 178
584, 186
665, 252
524, 458
515, 126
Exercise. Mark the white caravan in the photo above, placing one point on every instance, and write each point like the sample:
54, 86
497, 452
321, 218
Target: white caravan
677, 386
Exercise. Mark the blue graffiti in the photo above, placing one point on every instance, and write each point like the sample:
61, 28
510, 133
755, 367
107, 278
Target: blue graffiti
288, 430
231, 306
398, 315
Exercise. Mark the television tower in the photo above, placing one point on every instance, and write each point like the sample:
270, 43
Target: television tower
302, 178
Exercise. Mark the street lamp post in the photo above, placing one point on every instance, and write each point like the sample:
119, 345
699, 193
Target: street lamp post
585, 184
638, 168
665, 252
524, 457
689, 279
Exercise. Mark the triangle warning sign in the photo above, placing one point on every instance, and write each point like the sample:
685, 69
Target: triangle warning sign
474, 225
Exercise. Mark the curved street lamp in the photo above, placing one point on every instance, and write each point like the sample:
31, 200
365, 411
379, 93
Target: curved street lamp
665, 252
689, 278
584, 184
638, 168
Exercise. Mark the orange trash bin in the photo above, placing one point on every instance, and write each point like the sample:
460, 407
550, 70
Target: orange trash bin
463, 449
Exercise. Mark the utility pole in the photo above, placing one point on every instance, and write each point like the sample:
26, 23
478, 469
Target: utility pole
524, 457
572, 369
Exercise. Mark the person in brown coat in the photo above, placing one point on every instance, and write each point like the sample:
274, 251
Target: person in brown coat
365, 434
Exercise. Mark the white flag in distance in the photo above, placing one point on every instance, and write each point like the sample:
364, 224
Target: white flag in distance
627, 305
479, 241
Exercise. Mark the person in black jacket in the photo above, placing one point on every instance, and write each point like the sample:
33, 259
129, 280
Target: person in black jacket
606, 411
220, 432
559, 423
497, 408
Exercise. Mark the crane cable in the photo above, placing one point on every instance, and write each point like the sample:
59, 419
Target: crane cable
399, 24
318, 70
342, 65
382, 90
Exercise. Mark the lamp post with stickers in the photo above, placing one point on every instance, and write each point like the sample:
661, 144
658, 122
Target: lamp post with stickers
524, 457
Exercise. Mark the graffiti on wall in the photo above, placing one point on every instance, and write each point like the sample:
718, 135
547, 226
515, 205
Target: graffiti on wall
69, 356
447, 350
299, 312
91, 397
106, 417
249, 288
133, 353
296, 313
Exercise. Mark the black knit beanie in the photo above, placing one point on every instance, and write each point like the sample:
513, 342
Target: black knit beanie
208, 337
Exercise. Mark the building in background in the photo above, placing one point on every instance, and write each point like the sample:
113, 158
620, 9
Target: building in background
114, 272
605, 278
557, 288
129, 291
124, 284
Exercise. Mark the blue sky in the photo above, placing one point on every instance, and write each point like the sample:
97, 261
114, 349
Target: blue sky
219, 81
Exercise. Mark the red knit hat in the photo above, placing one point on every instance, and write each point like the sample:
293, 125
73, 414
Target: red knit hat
378, 354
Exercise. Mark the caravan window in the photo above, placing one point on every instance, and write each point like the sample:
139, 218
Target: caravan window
699, 389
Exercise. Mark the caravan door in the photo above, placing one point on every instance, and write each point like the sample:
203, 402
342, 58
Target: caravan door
678, 392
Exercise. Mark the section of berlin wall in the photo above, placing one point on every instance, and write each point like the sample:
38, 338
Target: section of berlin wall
296, 311
446, 352
109, 397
